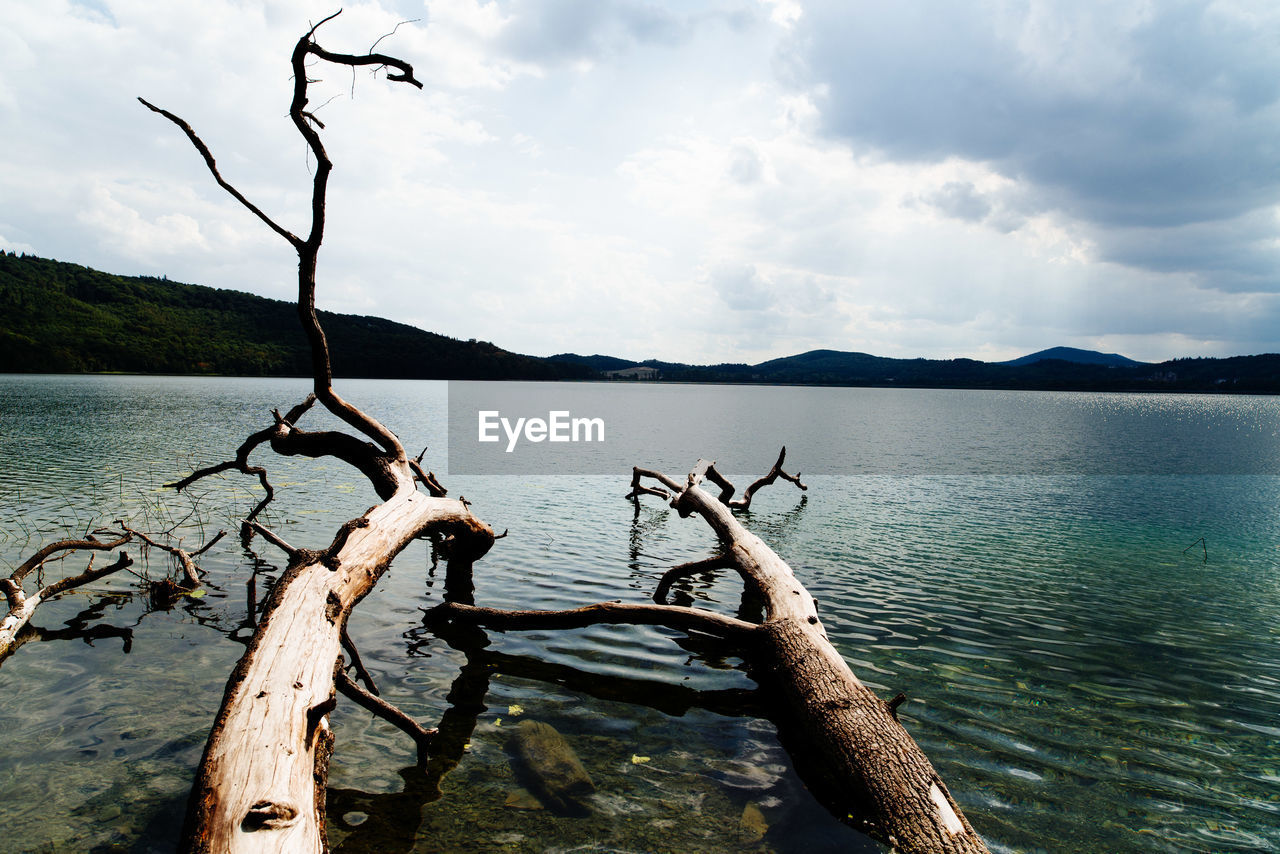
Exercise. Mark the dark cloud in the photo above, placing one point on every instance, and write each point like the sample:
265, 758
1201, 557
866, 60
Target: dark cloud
1123, 118
1238, 255
961, 200
569, 30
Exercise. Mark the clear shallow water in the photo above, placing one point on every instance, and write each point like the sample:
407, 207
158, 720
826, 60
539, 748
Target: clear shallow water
1080, 682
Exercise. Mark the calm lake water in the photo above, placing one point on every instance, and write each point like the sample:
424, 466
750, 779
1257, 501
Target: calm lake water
1090, 646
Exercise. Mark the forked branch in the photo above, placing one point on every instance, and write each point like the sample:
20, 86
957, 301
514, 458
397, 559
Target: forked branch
22, 607
308, 249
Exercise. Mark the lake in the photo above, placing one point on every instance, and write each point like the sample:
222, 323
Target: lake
1078, 593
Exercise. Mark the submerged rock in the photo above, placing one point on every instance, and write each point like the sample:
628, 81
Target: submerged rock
547, 764
522, 799
753, 823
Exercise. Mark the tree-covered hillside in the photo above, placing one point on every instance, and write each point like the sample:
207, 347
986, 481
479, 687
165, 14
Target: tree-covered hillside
63, 318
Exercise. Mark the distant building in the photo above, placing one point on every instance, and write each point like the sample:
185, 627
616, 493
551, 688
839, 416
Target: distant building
639, 372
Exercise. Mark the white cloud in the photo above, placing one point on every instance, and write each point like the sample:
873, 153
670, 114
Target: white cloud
696, 181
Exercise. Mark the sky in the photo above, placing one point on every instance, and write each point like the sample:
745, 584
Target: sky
721, 181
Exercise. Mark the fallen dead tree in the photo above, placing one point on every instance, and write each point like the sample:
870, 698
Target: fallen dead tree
847, 743
16, 624
260, 785
23, 607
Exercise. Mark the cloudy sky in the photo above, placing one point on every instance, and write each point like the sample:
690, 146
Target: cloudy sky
730, 180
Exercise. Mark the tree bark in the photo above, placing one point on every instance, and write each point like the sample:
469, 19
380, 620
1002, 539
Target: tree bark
857, 757
260, 785
847, 743
261, 782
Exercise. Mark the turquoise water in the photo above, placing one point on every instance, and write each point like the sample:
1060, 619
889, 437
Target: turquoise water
1081, 678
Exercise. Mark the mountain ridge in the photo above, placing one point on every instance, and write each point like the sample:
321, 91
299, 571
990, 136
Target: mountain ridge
1076, 355
58, 317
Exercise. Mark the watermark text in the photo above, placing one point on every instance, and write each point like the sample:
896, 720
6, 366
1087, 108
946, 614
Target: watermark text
558, 426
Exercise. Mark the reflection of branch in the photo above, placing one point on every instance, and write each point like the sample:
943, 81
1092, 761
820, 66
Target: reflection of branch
674, 700
77, 628
394, 818
380, 707
606, 613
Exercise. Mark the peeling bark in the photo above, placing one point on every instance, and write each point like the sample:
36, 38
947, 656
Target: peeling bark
260, 785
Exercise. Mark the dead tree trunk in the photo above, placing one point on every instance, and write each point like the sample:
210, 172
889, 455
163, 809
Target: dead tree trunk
261, 782
847, 743
260, 785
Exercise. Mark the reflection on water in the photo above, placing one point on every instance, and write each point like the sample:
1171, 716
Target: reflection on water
1079, 681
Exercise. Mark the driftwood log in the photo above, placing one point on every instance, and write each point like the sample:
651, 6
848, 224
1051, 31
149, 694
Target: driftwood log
847, 743
260, 785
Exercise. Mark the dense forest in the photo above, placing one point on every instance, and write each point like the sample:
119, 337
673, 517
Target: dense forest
63, 318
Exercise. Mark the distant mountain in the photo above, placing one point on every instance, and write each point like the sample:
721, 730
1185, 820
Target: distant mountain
64, 318
1079, 357
1250, 374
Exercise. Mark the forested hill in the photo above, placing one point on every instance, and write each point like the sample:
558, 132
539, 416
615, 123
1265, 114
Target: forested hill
63, 318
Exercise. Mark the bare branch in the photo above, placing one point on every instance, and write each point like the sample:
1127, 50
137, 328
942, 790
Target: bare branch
185, 562
241, 461
638, 489
393, 32
743, 503
217, 176
405, 69
851, 750
685, 570
23, 607
274, 538
44, 554
363, 674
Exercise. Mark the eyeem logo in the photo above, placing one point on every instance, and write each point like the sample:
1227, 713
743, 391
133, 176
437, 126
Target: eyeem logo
558, 427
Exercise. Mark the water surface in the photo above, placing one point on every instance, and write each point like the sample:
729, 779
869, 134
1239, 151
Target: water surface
1082, 677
